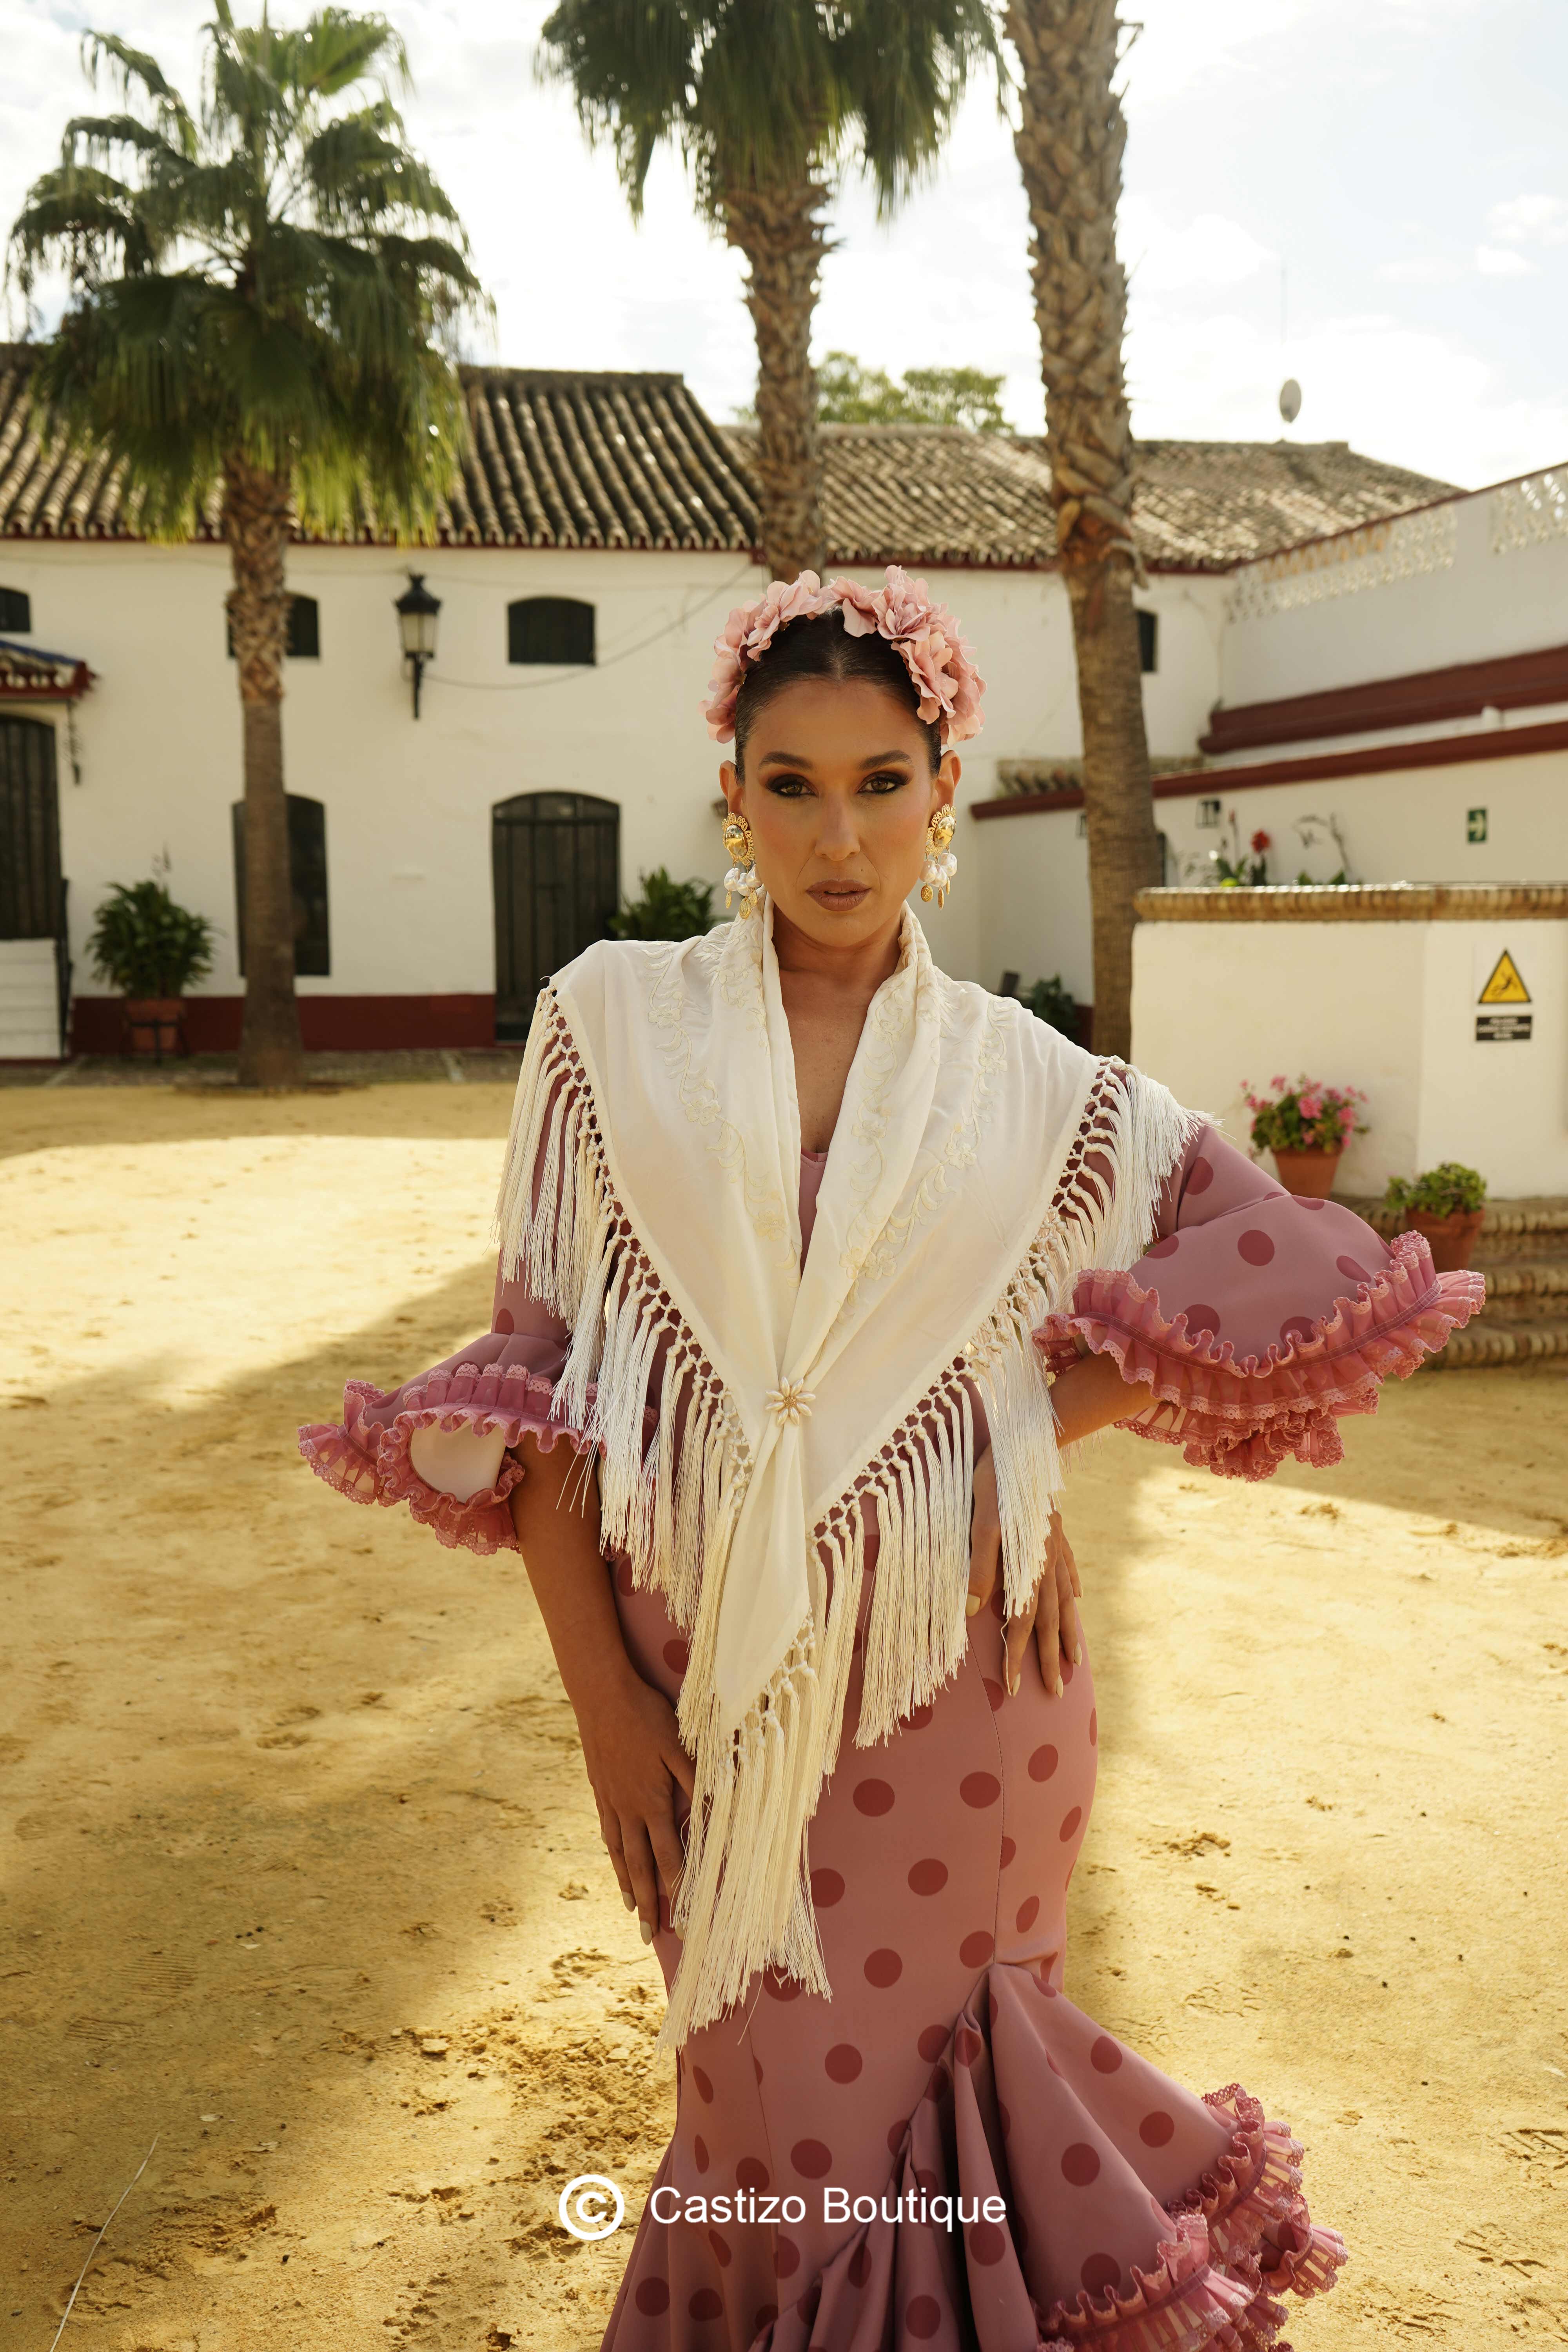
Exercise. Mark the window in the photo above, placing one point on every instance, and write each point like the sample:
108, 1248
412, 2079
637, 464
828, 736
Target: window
303, 642
549, 629
1148, 640
308, 874
16, 611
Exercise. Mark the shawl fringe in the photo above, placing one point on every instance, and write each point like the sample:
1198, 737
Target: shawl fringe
743, 1901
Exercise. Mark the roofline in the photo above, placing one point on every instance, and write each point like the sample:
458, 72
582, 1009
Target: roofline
1376, 759
1448, 498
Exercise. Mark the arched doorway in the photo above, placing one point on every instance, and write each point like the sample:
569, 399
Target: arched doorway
35, 978
557, 863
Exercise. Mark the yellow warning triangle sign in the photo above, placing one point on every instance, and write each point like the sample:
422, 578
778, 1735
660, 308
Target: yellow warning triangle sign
1505, 986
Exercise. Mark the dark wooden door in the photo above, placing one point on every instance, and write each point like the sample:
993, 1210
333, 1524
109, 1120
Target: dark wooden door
557, 861
29, 831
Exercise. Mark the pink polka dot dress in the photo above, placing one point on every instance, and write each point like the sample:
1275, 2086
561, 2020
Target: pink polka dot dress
948, 2153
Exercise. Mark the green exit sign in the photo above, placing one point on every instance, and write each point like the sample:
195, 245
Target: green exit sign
1475, 825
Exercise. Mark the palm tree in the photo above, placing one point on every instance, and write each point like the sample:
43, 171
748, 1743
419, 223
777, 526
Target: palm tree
1068, 140
768, 101
263, 297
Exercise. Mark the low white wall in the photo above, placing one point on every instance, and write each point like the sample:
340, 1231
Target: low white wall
30, 1002
1386, 1006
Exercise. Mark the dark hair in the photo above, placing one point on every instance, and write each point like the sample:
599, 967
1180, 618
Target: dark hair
823, 647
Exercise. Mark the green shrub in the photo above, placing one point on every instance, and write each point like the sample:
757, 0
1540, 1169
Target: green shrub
1049, 1001
665, 909
145, 945
1442, 1192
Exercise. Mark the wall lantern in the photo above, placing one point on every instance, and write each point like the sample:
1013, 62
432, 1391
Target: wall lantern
417, 610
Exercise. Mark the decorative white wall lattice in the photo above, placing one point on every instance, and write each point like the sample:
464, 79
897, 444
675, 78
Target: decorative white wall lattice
1528, 512
1375, 557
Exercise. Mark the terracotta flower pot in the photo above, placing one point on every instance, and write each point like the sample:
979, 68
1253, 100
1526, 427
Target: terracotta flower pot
1452, 1238
1308, 1174
155, 1026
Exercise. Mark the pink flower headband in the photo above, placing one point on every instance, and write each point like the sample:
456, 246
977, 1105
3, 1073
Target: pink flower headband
941, 666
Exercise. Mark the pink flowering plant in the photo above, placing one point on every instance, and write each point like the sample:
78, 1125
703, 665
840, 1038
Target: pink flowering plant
1307, 1117
923, 634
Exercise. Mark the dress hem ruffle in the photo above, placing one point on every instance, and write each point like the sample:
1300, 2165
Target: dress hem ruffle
1242, 1419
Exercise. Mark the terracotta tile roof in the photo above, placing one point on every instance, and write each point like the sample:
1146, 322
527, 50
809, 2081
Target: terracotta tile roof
561, 458
936, 495
558, 459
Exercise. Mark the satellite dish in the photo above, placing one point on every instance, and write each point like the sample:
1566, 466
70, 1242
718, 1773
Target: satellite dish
1289, 400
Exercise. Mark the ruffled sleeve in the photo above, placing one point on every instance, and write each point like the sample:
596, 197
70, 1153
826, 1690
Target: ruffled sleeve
496, 1388
1258, 1319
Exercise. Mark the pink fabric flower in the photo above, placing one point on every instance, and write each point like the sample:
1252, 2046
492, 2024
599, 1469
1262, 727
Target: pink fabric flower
925, 635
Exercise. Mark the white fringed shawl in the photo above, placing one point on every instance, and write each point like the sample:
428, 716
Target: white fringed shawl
651, 1196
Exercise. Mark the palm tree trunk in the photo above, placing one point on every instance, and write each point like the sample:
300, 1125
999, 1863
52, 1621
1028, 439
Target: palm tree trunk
256, 524
1069, 140
780, 231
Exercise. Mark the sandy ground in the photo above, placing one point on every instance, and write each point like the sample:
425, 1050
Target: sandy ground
300, 1877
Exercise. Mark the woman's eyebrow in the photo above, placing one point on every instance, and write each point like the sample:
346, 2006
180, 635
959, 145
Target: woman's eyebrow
888, 759
784, 759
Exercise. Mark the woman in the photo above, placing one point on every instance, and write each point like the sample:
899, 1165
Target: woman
825, 1258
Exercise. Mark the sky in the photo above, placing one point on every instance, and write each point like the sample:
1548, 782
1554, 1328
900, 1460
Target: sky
1368, 196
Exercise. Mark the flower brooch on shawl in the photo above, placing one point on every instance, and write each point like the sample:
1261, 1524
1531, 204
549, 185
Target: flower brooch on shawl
925, 635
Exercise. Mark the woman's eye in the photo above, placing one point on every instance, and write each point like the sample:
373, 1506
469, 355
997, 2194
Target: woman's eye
789, 788
889, 781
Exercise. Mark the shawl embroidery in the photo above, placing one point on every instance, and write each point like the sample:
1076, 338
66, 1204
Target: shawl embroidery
750, 1522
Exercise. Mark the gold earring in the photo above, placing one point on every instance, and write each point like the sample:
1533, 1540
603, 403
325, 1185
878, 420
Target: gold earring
941, 866
742, 873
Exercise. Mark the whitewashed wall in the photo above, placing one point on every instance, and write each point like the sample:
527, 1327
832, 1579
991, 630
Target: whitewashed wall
1388, 1007
1407, 826
1452, 584
408, 805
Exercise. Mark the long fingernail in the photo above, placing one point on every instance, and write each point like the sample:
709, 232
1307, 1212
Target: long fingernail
972, 1605
1057, 1688
1078, 1654
1013, 1684
630, 1901
647, 1927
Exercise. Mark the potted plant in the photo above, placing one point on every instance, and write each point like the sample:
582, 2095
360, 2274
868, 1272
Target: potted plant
666, 910
1306, 1127
1448, 1205
150, 950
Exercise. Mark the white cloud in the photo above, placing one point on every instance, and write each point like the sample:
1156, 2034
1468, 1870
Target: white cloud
1210, 251
1502, 262
1424, 269
1530, 220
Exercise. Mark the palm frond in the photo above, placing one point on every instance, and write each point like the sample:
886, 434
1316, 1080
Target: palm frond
359, 176
134, 70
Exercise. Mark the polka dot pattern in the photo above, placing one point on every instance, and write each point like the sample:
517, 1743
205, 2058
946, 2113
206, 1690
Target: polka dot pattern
928, 1877
1351, 1271
720, 2249
1101, 2273
676, 1656
843, 2063
979, 1790
752, 2173
1200, 1176
987, 2241
976, 1949
1080, 2164
706, 2303
932, 2042
504, 1322
811, 2159
786, 2258
1094, 1727
826, 1889
883, 1968
1106, 2055
1200, 1319
1028, 1912
701, 2084
1254, 1249
1297, 1328
1008, 1851
994, 1692
1157, 2129
1167, 1248
873, 1798
1069, 1827
923, 2317
860, 2269
652, 2297
1043, 1763
700, 2155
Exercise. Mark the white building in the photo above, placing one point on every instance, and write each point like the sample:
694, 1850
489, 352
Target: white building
1305, 654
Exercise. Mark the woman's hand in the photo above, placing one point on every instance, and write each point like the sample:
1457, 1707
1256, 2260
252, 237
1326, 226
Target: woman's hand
632, 1752
1052, 1615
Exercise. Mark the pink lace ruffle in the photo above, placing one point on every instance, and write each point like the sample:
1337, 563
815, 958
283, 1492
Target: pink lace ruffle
1243, 1419
368, 1459
1219, 2259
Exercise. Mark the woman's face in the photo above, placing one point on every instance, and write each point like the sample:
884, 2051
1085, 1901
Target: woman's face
838, 792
